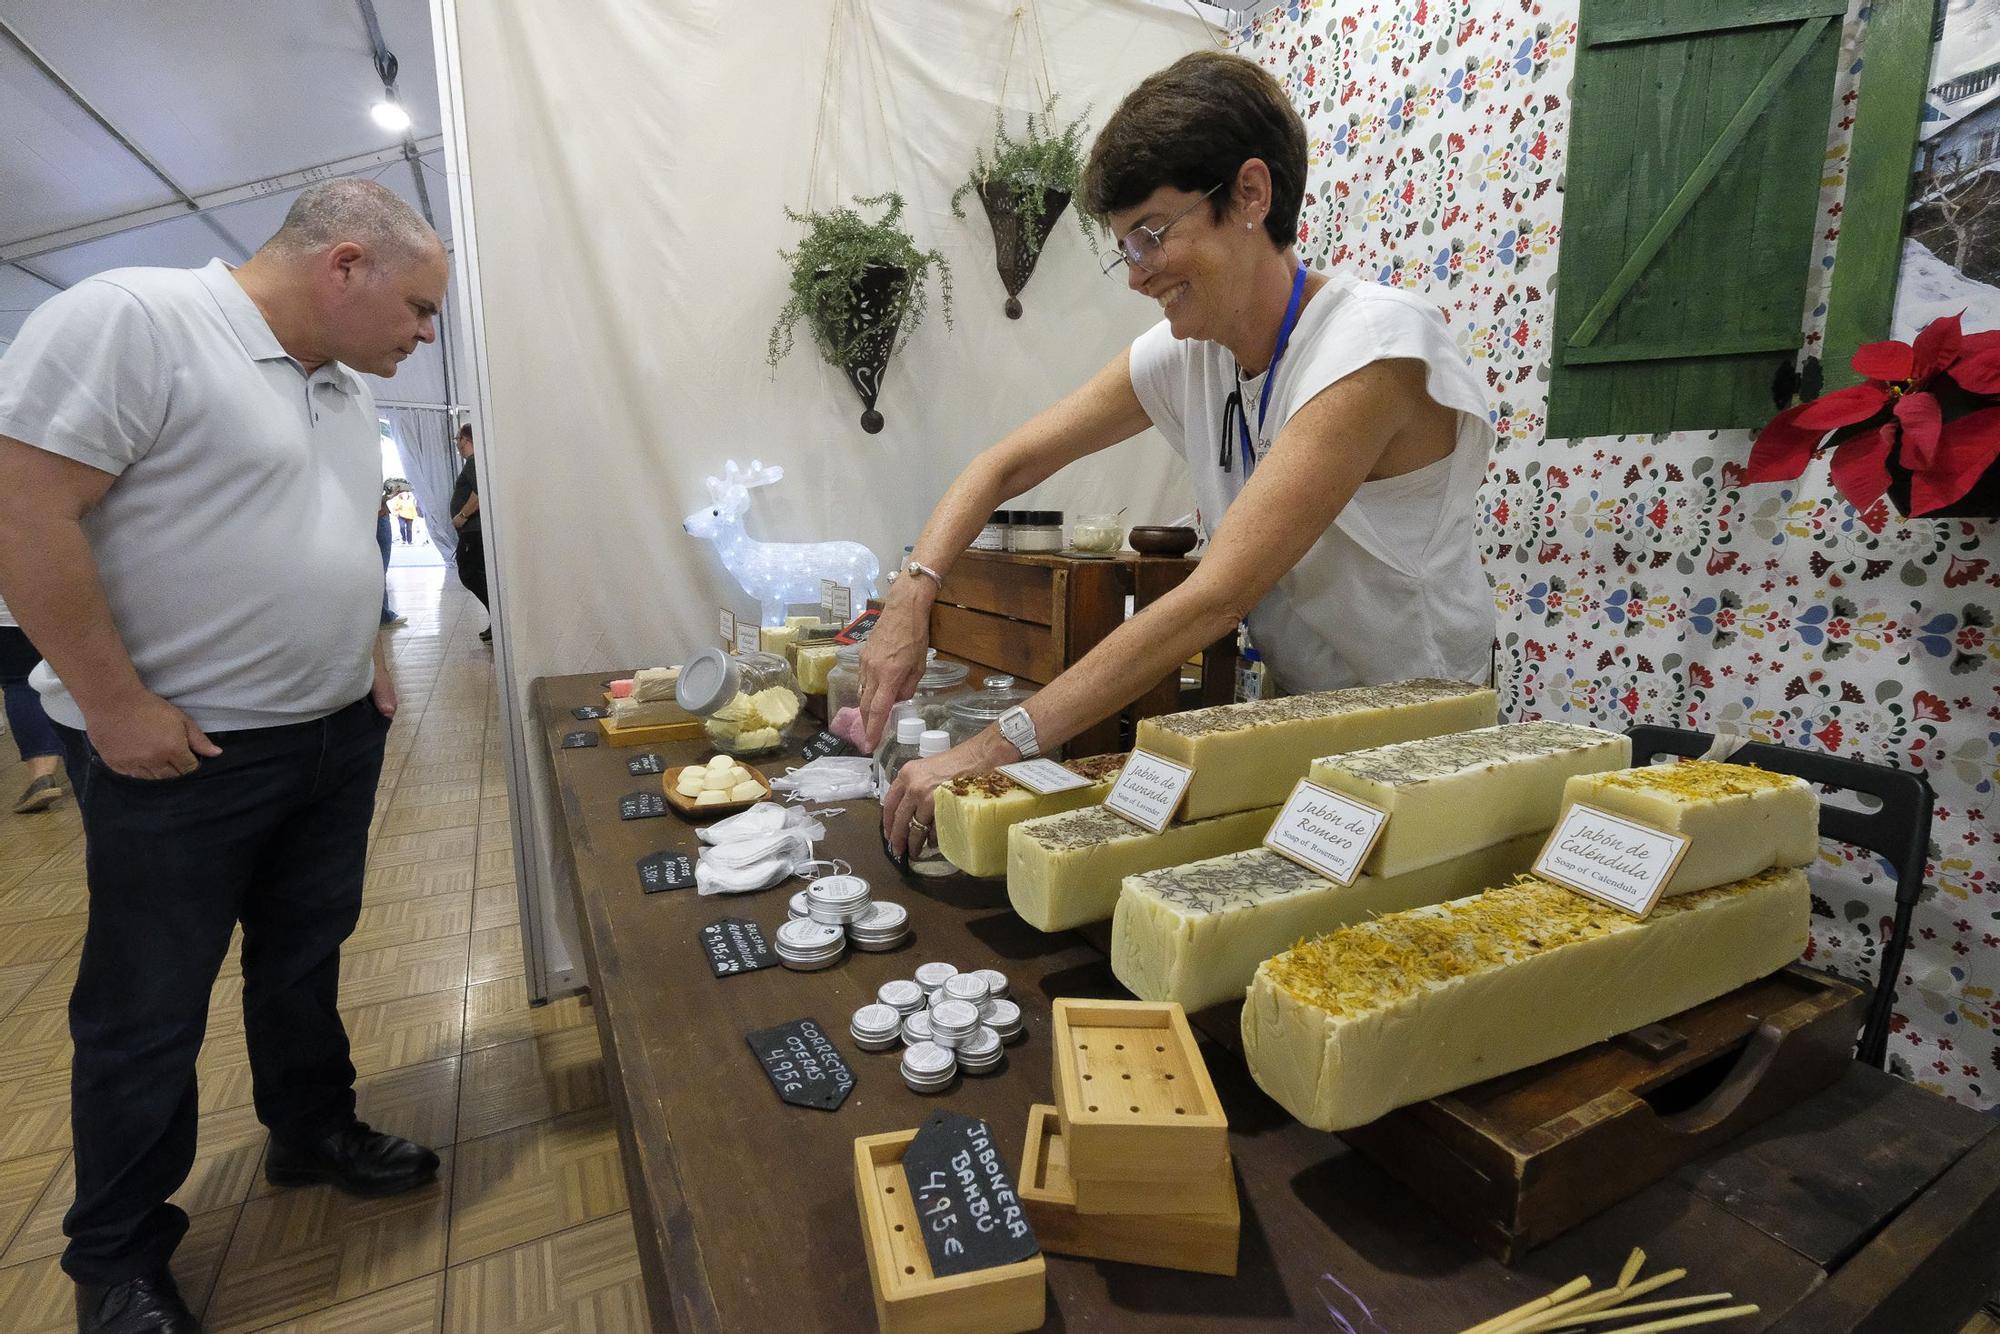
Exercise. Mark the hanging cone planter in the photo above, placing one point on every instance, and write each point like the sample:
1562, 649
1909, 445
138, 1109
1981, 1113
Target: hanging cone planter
1018, 235
865, 323
861, 287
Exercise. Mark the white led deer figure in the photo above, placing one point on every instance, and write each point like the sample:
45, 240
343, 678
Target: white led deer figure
775, 573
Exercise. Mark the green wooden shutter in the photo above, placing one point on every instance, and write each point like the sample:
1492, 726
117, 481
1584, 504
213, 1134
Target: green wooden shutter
1697, 146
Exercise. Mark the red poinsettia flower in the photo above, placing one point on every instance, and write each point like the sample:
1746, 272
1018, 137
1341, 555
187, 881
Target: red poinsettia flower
1898, 413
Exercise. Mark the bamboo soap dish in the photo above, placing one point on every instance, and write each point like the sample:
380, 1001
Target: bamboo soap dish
1205, 1242
1134, 1096
909, 1299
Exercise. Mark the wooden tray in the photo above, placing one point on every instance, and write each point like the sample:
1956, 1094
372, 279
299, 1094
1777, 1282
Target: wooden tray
908, 1298
1205, 1242
1519, 1160
687, 810
687, 727
1133, 1094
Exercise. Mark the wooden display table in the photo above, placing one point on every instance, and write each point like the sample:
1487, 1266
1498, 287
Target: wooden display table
1872, 1205
1031, 616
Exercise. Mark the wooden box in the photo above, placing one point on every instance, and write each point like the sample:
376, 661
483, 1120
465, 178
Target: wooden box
685, 727
1133, 1094
1203, 1242
1518, 1160
908, 1299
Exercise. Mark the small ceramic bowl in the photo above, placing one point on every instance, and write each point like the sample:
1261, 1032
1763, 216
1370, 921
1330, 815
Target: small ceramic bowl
1163, 541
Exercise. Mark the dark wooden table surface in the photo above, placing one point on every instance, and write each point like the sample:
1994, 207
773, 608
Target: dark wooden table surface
1874, 1205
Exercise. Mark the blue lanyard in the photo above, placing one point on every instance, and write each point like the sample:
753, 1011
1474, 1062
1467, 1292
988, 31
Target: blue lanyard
1270, 376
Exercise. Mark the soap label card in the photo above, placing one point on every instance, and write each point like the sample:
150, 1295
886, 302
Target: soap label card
747, 640
665, 870
642, 805
648, 763
1326, 832
1149, 791
1043, 777
824, 744
803, 1065
842, 604
735, 945
1611, 859
578, 740
728, 626
966, 1202
587, 712
826, 589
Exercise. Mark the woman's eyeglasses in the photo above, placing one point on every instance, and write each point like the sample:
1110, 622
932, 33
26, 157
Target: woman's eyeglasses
1141, 246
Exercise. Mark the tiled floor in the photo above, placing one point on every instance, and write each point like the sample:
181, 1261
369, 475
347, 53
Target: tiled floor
527, 1228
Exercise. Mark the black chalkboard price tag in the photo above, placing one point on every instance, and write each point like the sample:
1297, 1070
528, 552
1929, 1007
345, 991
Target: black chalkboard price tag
665, 870
803, 1065
578, 740
586, 712
826, 743
642, 805
971, 1216
734, 945
648, 763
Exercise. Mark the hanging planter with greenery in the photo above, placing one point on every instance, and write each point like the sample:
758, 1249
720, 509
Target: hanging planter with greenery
1025, 187
862, 288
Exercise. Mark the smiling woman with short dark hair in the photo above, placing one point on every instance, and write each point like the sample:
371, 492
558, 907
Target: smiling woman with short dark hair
1333, 431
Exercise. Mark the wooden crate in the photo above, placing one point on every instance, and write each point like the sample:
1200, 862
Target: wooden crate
1032, 616
1203, 1242
1518, 1160
1133, 1093
908, 1299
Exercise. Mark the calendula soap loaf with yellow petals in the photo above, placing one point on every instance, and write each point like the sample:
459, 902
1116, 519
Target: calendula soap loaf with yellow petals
1382, 1014
1249, 755
1738, 820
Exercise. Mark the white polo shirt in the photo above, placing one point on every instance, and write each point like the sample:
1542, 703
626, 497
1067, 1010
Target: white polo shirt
237, 545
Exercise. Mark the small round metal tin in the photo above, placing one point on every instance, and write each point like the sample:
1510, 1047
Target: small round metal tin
805, 945
901, 995
952, 1022
1003, 1017
928, 1068
876, 1027
931, 976
979, 1053
968, 987
837, 899
882, 927
797, 909
917, 1027
996, 981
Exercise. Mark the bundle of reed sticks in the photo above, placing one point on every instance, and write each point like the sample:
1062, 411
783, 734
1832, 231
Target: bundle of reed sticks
1574, 1307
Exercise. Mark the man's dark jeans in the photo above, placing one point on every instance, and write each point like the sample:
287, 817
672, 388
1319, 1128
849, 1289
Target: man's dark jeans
272, 833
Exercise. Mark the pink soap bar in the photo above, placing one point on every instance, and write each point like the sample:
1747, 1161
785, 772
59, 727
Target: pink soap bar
622, 689
846, 725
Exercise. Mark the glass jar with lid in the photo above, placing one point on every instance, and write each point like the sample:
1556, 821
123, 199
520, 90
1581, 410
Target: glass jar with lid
747, 702
940, 682
975, 711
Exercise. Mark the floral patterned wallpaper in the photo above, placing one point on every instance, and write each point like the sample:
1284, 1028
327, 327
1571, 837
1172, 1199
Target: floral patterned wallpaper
1637, 581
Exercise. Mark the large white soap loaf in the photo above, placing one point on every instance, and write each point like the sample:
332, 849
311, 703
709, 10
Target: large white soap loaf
1249, 755
1382, 1014
1196, 933
1065, 870
974, 814
1738, 820
1448, 795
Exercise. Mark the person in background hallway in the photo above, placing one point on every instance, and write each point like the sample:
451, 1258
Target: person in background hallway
389, 616
465, 518
33, 737
220, 689
404, 506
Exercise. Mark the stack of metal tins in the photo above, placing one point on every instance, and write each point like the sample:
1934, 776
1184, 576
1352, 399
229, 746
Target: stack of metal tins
929, 1068
807, 946
876, 1027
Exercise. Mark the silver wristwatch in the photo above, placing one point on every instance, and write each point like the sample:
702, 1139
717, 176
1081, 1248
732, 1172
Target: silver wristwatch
1019, 729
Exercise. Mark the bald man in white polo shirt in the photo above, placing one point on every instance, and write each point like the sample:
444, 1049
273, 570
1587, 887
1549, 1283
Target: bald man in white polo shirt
189, 473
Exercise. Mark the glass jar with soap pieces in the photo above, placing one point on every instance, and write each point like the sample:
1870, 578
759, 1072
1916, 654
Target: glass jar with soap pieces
747, 702
948, 1022
941, 683
1097, 534
972, 712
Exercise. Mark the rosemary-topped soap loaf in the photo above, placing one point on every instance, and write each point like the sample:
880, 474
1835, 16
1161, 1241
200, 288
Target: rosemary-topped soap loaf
1385, 1013
1448, 795
975, 813
1737, 819
1066, 870
1249, 755
1196, 933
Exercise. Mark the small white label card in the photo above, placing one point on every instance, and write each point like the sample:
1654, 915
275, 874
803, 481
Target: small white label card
1610, 858
747, 638
826, 587
1043, 776
1149, 791
1326, 831
843, 603
728, 630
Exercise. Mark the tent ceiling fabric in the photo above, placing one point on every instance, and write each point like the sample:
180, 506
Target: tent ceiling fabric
194, 87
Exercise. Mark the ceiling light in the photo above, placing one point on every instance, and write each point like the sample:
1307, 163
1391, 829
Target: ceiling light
389, 114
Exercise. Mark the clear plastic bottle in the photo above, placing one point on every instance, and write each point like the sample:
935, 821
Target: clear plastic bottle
936, 741
901, 748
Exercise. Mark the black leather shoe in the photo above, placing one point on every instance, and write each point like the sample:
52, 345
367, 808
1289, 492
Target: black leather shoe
150, 1304
357, 1159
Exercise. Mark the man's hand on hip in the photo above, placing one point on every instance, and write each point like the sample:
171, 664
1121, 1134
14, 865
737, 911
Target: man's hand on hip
146, 737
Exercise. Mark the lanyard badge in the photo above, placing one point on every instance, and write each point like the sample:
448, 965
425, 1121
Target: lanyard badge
1233, 411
